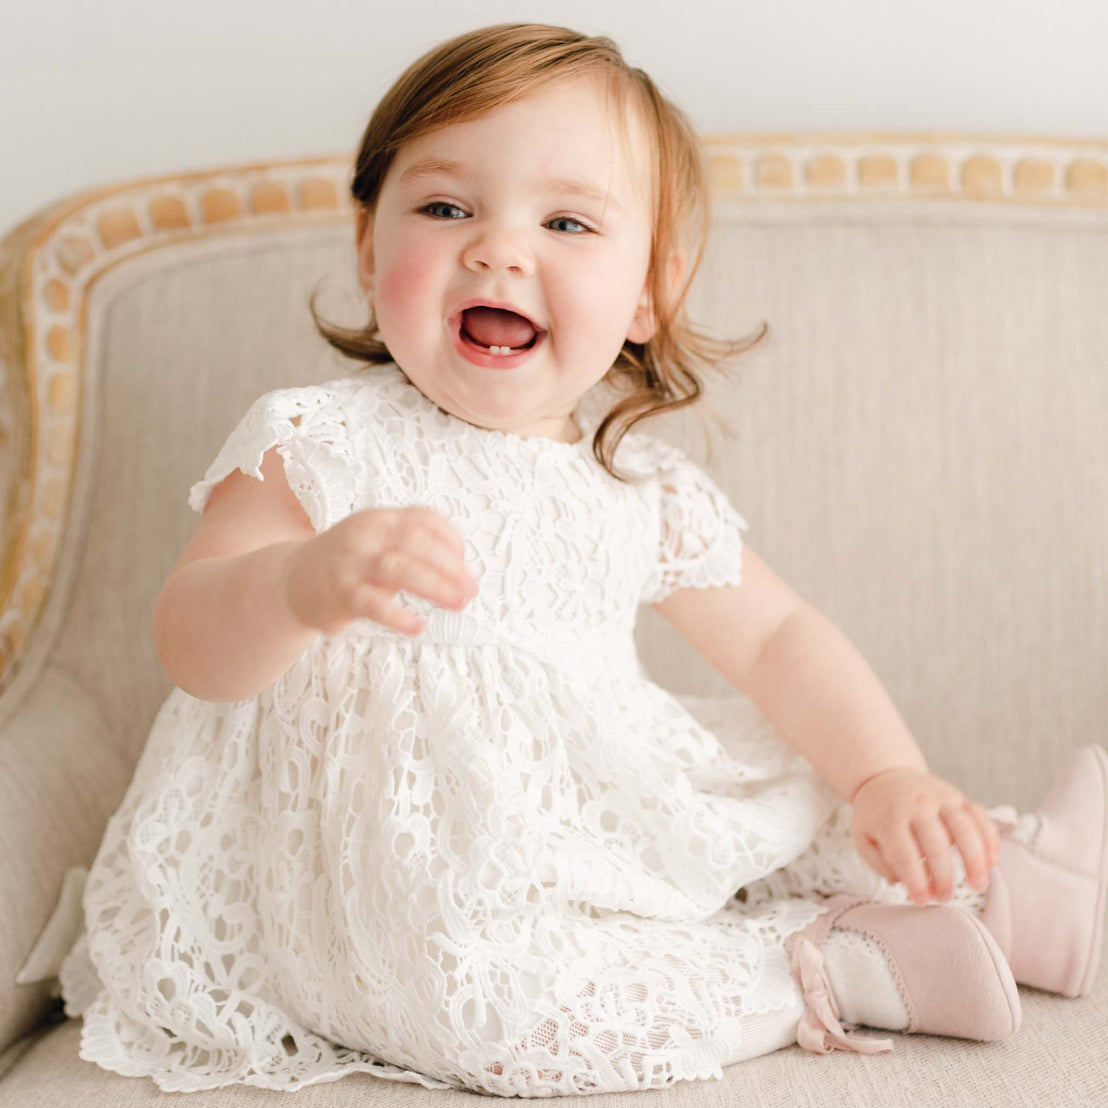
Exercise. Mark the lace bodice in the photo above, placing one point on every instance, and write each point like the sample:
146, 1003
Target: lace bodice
424, 856
560, 548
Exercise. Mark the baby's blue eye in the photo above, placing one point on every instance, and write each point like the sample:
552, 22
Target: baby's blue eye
440, 204
443, 204
568, 219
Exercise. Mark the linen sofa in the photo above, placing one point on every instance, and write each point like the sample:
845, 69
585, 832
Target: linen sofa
920, 446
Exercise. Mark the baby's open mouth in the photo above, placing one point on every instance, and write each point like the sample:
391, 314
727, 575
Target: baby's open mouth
488, 348
495, 330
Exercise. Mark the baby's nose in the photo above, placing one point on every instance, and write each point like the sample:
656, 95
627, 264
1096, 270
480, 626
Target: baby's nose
499, 251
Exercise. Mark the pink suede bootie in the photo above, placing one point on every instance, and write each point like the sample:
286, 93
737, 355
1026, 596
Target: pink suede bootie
1045, 904
950, 973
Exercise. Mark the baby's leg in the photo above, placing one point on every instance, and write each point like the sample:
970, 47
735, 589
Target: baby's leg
663, 1003
833, 865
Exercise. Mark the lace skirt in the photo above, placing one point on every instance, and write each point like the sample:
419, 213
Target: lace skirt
636, 1002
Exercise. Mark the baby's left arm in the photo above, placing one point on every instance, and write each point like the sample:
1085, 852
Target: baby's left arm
818, 692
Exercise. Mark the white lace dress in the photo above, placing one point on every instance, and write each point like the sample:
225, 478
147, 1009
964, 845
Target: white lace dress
494, 855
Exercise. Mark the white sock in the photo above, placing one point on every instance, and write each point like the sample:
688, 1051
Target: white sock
1027, 827
862, 982
765, 1032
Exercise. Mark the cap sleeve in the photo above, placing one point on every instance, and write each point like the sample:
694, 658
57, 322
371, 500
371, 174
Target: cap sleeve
700, 532
320, 465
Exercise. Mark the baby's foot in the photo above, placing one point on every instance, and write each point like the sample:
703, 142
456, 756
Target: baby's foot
1045, 905
973, 997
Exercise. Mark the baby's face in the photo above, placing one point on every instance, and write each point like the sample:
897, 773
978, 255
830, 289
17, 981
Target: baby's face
497, 228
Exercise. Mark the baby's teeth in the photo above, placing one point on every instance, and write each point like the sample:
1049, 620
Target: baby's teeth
499, 349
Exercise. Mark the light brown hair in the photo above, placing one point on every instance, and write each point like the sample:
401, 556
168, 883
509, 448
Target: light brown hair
476, 72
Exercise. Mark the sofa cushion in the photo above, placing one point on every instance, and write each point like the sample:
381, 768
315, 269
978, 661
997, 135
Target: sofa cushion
1056, 1058
61, 777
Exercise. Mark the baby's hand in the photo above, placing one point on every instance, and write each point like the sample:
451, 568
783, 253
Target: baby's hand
904, 818
354, 569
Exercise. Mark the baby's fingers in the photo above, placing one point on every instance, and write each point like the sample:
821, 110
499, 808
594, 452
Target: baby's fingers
372, 602
986, 840
934, 839
873, 857
989, 830
972, 845
967, 837
431, 574
908, 861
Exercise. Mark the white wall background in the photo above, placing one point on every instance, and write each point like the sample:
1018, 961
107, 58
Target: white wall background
92, 93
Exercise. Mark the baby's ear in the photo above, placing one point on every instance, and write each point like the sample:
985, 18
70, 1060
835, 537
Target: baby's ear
363, 241
643, 325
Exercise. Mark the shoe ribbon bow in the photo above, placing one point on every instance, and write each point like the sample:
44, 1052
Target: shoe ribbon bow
819, 1029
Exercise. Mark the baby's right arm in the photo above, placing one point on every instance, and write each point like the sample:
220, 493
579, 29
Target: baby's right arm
255, 586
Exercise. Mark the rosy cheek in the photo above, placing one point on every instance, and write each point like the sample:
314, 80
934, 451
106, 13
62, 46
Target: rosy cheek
404, 286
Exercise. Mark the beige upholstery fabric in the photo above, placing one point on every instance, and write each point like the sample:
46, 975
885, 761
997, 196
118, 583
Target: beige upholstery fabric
923, 1071
920, 448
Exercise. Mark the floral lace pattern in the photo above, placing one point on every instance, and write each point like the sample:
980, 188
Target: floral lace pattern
494, 855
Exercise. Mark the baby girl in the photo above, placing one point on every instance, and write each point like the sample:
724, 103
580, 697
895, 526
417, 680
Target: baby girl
414, 807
